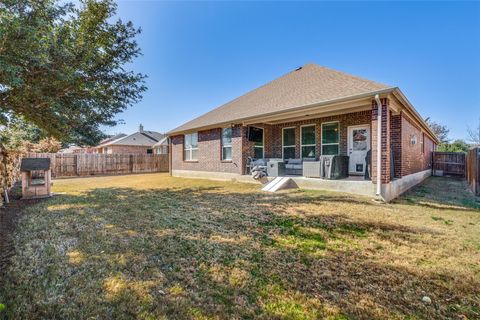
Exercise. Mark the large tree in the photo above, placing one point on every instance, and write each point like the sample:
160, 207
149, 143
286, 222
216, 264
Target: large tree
63, 67
474, 135
456, 146
440, 130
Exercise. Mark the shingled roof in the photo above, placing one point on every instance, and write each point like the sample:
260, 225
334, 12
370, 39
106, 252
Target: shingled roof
308, 85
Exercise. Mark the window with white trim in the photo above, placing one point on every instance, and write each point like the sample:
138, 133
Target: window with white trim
227, 144
190, 147
288, 143
258, 151
308, 141
330, 138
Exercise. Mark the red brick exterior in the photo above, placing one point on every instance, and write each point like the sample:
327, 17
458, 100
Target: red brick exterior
345, 120
209, 152
415, 157
396, 143
396, 136
385, 141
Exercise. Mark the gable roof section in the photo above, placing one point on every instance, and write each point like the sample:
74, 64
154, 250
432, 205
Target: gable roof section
308, 85
145, 138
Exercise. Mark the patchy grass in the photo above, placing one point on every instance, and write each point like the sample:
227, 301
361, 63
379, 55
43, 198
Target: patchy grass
154, 247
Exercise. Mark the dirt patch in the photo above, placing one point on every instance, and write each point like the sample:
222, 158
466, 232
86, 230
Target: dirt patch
9, 215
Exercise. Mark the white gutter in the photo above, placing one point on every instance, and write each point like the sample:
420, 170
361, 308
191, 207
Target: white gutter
379, 144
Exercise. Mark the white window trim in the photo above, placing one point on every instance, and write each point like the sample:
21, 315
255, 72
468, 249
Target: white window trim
308, 145
263, 142
329, 144
190, 149
226, 145
284, 146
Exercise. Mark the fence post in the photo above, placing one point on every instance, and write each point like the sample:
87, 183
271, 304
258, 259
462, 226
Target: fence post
76, 165
131, 163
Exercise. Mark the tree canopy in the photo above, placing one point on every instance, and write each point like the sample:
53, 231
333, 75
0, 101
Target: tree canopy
63, 67
474, 134
455, 146
440, 130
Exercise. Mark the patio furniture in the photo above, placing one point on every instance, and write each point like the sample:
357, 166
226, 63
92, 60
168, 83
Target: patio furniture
295, 166
275, 168
313, 169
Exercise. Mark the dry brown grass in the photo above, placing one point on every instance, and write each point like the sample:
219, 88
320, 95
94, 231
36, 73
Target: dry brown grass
154, 247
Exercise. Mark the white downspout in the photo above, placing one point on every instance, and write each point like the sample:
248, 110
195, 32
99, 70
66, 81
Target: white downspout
379, 144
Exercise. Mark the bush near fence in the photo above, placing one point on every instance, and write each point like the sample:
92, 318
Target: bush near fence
72, 165
9, 170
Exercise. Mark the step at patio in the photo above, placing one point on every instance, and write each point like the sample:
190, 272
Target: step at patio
277, 184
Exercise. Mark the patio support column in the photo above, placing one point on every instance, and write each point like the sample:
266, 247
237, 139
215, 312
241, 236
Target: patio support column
384, 143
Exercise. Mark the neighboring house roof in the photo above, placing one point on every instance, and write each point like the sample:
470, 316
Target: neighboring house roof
112, 138
70, 149
162, 142
140, 138
308, 85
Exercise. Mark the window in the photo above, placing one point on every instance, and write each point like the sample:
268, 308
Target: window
149, 151
161, 150
258, 147
190, 146
308, 141
288, 143
330, 138
227, 144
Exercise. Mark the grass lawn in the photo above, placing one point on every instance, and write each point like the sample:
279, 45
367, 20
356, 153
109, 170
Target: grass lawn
153, 247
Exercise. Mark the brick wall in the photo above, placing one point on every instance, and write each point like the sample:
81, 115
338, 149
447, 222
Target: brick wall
396, 143
397, 131
384, 143
209, 152
415, 157
209, 149
127, 149
345, 120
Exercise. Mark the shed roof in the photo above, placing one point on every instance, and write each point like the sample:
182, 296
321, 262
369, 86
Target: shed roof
30, 164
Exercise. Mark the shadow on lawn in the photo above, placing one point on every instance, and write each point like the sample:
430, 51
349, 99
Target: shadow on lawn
442, 193
186, 253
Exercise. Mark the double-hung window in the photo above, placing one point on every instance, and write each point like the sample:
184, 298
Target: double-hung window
288, 143
308, 141
258, 147
190, 147
227, 144
330, 138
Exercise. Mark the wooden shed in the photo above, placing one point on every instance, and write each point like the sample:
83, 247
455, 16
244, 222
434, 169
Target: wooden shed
32, 190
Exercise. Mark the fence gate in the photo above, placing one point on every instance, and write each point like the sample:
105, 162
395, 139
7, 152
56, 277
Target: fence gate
450, 163
473, 170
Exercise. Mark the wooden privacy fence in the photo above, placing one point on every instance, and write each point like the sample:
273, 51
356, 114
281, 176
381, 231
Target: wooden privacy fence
473, 170
450, 163
71, 165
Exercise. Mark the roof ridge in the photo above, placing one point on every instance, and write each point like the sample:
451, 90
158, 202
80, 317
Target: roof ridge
348, 74
148, 136
306, 85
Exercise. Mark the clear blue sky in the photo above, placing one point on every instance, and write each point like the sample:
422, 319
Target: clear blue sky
199, 55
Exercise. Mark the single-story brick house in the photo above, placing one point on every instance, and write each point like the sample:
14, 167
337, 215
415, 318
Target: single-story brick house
140, 142
307, 113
